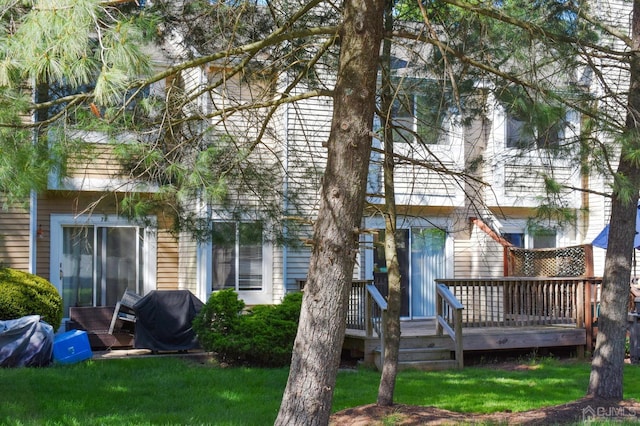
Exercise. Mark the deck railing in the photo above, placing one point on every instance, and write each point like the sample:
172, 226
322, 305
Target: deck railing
358, 312
449, 319
526, 301
367, 310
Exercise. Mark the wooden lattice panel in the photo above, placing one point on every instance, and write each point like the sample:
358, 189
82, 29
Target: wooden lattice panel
574, 261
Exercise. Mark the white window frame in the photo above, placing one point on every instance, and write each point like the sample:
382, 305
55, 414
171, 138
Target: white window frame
250, 297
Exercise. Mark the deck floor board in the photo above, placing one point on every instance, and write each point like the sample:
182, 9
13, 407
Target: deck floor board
492, 338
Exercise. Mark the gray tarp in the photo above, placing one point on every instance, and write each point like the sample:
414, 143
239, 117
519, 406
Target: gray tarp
26, 342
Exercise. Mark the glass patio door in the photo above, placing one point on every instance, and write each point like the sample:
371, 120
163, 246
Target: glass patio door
422, 259
427, 264
99, 263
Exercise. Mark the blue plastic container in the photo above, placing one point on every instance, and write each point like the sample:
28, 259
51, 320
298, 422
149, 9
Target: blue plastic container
71, 347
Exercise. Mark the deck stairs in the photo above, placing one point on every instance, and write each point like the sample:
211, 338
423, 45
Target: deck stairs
427, 353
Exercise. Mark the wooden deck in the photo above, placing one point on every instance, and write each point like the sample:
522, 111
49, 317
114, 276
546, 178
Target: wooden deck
423, 333
511, 313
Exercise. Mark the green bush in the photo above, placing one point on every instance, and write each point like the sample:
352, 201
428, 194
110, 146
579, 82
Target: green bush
23, 294
263, 336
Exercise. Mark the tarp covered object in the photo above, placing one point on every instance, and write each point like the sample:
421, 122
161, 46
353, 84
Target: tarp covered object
164, 321
26, 342
602, 240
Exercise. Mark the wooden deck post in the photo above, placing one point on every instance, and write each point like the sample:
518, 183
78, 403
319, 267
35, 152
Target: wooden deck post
459, 348
588, 314
438, 313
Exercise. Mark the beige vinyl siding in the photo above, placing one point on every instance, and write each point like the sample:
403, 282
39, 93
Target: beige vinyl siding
478, 257
167, 261
523, 180
100, 165
58, 202
14, 237
97, 160
309, 124
187, 264
415, 181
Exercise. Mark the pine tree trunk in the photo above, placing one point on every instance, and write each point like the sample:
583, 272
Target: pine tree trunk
608, 360
391, 350
316, 357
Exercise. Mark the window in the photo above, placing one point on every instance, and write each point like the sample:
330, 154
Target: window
237, 256
517, 239
544, 238
521, 134
419, 113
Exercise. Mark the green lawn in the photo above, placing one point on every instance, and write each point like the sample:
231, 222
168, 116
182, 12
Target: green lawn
170, 391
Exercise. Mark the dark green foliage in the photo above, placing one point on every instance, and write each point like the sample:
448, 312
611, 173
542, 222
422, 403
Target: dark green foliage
263, 336
23, 294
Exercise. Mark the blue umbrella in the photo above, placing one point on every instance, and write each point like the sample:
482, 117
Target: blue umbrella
603, 237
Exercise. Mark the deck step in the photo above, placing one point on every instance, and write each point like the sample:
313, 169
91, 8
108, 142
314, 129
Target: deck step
422, 358
443, 364
423, 354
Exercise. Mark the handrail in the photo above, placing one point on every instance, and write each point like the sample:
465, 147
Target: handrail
377, 296
376, 315
449, 319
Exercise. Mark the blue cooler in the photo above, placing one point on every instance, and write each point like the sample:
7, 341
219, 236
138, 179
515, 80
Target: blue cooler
71, 346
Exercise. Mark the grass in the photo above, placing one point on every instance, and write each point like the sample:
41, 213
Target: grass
168, 391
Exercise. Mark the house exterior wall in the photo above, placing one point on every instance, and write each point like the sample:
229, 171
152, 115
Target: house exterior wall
296, 139
54, 202
15, 237
188, 265
516, 177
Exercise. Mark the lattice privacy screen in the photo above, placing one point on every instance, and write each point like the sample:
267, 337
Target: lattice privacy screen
574, 261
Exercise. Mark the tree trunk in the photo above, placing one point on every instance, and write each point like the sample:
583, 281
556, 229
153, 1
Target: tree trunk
608, 360
394, 302
317, 348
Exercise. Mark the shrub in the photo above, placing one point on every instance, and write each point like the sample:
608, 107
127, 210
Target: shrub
218, 321
23, 294
263, 336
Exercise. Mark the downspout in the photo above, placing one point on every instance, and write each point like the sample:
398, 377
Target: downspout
33, 197
204, 261
285, 201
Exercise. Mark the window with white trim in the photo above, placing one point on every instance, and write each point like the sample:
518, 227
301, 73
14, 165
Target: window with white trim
237, 256
522, 135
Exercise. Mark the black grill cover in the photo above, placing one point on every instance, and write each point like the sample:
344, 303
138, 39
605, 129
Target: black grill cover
164, 321
26, 342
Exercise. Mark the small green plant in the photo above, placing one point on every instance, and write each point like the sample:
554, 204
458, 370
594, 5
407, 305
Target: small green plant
23, 294
261, 336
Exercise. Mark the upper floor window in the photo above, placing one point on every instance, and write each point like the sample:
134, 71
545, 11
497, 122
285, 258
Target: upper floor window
523, 134
532, 123
421, 112
237, 256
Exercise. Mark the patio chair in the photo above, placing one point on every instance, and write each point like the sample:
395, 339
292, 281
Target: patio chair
124, 313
